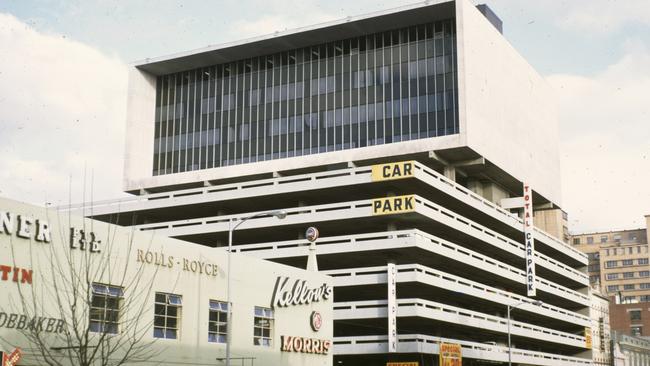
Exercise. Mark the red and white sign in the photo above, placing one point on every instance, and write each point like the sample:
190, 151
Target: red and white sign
316, 321
12, 358
529, 241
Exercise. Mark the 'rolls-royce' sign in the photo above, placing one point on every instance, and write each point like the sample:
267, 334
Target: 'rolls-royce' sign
297, 294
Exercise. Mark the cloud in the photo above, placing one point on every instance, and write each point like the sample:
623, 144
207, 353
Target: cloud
62, 110
283, 15
605, 144
605, 15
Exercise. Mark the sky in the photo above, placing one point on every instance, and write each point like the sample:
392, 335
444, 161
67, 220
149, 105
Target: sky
63, 80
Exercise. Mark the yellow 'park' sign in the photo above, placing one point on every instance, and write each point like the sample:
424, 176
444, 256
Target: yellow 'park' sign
393, 205
391, 171
588, 338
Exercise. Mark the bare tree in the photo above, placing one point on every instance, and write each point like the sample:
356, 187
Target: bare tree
88, 303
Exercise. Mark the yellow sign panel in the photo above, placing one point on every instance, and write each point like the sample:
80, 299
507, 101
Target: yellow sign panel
391, 171
588, 337
393, 205
402, 364
451, 354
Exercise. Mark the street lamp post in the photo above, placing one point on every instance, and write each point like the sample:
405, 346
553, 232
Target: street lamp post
280, 214
511, 307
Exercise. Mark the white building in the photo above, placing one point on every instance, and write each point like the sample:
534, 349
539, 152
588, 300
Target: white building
600, 328
169, 295
397, 134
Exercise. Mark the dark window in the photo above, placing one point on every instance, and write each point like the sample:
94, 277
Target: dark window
167, 315
218, 322
105, 308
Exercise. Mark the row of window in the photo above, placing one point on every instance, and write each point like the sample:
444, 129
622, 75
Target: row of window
626, 262
628, 287
419, 72
617, 238
352, 117
106, 307
380, 88
625, 275
630, 250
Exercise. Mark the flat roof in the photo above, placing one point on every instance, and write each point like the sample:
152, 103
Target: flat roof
353, 26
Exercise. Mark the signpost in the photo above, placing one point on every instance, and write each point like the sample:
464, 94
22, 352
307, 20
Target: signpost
526, 202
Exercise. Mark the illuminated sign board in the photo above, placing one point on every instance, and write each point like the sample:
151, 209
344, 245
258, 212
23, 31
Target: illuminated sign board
12, 358
529, 241
298, 294
451, 354
393, 205
392, 171
305, 345
402, 364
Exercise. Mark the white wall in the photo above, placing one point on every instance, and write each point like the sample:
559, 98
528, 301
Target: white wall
140, 124
507, 111
253, 282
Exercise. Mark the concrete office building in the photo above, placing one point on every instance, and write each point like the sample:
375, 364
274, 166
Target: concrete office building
619, 265
165, 298
618, 262
397, 134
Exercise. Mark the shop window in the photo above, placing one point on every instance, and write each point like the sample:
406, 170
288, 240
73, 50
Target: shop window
263, 327
167, 315
218, 322
105, 308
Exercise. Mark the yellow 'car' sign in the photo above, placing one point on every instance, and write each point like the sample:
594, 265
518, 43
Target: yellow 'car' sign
391, 171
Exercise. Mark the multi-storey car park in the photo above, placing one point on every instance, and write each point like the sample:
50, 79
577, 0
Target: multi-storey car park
397, 134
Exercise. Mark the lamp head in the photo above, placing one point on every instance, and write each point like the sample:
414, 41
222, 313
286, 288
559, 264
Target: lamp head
281, 214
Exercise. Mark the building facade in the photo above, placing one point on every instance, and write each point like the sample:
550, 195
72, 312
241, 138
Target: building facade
630, 351
600, 329
72, 285
619, 265
398, 134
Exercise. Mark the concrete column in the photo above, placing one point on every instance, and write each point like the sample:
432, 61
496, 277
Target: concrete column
475, 186
450, 172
